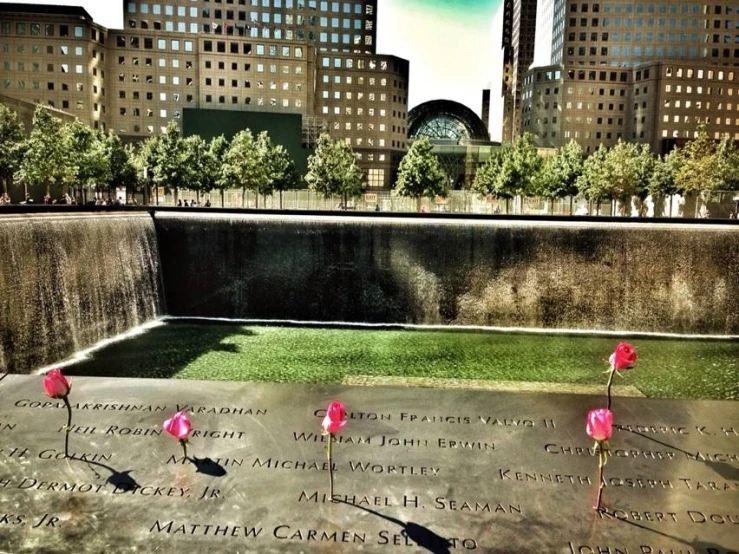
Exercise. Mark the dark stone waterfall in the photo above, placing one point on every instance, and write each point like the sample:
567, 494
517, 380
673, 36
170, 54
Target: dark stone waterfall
630, 276
69, 281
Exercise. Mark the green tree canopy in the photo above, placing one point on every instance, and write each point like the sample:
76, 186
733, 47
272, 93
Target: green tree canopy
197, 153
512, 170
419, 173
47, 160
487, 174
558, 176
593, 182
242, 164
727, 164
521, 167
12, 145
333, 170
697, 164
89, 156
122, 170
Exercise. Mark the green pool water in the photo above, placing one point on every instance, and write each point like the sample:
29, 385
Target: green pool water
672, 368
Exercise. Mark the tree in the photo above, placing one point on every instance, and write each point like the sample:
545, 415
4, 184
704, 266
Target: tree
521, 168
592, 184
419, 173
644, 166
265, 150
242, 165
484, 181
698, 164
558, 177
12, 145
46, 160
217, 149
122, 169
333, 170
281, 169
197, 153
169, 160
621, 173
727, 164
617, 174
89, 157
145, 161
512, 170
661, 183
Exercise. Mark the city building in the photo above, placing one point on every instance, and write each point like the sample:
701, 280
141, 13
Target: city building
647, 72
519, 29
313, 58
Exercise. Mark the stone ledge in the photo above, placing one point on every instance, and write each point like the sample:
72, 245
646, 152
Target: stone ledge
480, 384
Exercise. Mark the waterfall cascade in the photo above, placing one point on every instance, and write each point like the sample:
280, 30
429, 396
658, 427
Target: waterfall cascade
69, 281
641, 277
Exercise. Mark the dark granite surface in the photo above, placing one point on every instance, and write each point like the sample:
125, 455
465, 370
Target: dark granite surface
417, 470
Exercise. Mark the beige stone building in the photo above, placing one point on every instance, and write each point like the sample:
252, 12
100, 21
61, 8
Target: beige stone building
647, 72
308, 57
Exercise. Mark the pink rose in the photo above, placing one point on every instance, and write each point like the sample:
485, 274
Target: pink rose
178, 426
623, 357
599, 425
335, 418
56, 384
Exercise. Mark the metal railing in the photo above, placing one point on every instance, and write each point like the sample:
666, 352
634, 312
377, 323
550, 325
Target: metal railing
719, 205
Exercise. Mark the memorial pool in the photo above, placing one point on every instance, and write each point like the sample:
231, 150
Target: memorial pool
667, 367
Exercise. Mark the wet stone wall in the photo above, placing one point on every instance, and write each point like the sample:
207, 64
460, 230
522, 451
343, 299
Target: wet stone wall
676, 278
69, 281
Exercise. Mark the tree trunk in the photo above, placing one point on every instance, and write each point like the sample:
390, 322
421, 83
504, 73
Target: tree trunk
223, 198
243, 197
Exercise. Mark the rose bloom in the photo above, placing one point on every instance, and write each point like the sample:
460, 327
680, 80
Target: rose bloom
56, 384
335, 418
178, 426
623, 357
599, 424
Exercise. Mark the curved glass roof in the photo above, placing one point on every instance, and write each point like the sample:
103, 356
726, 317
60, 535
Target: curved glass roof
445, 120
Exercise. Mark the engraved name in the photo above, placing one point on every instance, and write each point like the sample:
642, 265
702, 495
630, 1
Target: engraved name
443, 503
368, 467
204, 529
635, 515
717, 486
613, 452
370, 416
320, 498
595, 549
466, 420
104, 406
551, 478
224, 462
119, 431
46, 520
222, 410
637, 482
319, 437
300, 465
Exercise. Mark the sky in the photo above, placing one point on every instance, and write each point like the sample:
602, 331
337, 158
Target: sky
453, 46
